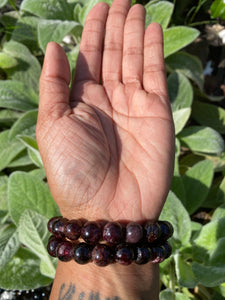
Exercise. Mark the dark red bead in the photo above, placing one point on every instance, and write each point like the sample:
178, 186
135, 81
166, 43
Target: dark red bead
153, 231
166, 230
158, 254
102, 255
91, 232
53, 243
82, 253
134, 233
51, 222
143, 255
113, 233
73, 229
65, 251
124, 254
168, 249
58, 227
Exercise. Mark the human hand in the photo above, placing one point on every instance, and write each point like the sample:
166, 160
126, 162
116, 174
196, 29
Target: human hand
108, 145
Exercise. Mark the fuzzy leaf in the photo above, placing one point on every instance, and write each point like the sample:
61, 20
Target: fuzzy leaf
209, 115
16, 95
53, 31
159, 12
187, 64
26, 192
180, 118
180, 91
184, 272
176, 38
34, 234
9, 149
23, 272
197, 181
174, 212
49, 9
202, 139
25, 125
9, 244
33, 151
7, 61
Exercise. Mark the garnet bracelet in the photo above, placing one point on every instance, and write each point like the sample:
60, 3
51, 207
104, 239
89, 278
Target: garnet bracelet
109, 242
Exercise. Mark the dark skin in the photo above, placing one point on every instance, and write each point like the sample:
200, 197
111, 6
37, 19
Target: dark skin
108, 144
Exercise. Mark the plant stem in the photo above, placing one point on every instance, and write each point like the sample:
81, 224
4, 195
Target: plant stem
172, 278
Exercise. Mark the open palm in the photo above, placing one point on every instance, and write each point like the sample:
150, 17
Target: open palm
108, 145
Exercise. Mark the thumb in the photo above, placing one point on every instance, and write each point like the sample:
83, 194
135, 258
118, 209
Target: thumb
54, 84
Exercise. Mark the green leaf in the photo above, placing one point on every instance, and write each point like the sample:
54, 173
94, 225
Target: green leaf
23, 272
3, 3
7, 61
219, 213
16, 95
8, 117
34, 234
25, 31
184, 272
168, 294
21, 160
180, 118
3, 193
176, 38
9, 244
33, 151
28, 70
218, 9
25, 125
189, 65
26, 192
85, 10
197, 181
174, 212
159, 12
180, 91
53, 31
49, 9
9, 149
209, 115
207, 240
202, 139
209, 276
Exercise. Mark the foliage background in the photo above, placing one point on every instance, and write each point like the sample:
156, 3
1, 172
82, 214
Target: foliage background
196, 202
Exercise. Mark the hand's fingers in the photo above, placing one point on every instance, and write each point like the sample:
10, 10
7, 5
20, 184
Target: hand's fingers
54, 84
90, 55
113, 48
154, 78
134, 45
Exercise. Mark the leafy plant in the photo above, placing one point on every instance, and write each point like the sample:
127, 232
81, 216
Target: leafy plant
196, 268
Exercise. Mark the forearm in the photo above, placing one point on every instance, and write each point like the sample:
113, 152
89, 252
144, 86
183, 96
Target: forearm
114, 282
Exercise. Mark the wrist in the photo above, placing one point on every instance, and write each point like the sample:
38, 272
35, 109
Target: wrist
131, 282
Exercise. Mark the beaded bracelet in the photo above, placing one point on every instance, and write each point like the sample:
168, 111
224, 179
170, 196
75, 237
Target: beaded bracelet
123, 244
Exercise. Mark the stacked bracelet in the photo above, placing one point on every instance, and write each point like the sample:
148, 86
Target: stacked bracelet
109, 243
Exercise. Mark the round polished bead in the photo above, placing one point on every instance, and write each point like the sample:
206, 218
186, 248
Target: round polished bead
143, 255
168, 249
124, 254
73, 229
58, 227
166, 230
82, 253
65, 251
51, 222
134, 233
91, 232
53, 243
153, 231
102, 255
158, 254
113, 233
